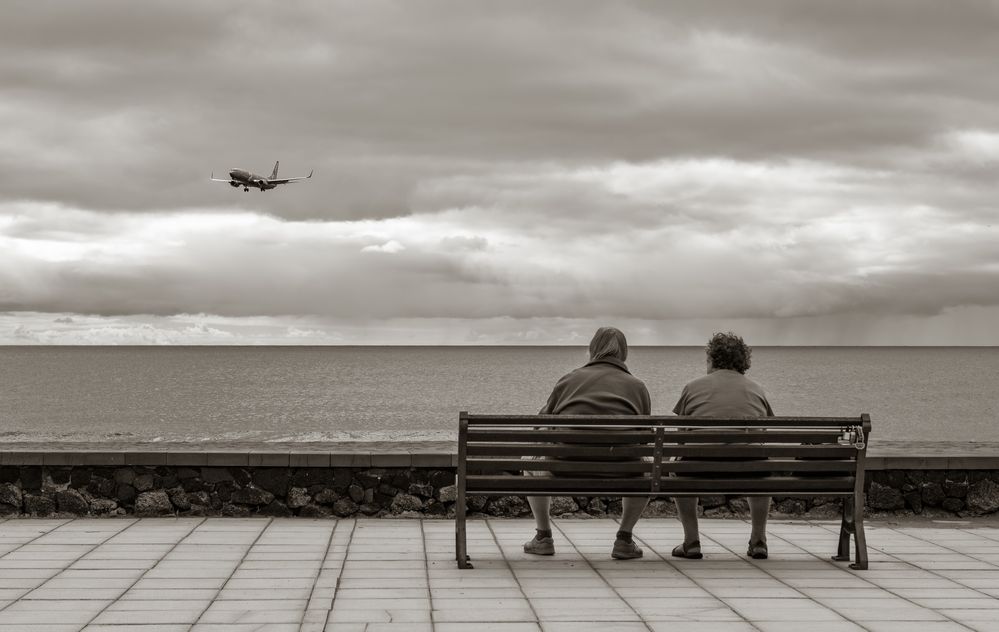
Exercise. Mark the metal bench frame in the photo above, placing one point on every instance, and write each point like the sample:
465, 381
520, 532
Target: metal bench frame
795, 456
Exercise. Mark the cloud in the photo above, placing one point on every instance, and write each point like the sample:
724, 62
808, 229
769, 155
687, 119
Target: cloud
513, 163
389, 247
129, 107
668, 239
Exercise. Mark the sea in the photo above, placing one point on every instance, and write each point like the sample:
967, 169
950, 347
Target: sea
282, 394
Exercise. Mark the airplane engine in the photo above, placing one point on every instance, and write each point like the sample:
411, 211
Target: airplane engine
234, 185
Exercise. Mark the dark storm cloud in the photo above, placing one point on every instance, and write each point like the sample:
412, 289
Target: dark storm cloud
128, 106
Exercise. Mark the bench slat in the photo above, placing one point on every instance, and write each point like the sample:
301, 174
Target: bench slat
780, 450
520, 465
693, 451
531, 435
772, 465
618, 437
551, 449
478, 482
774, 485
661, 420
752, 436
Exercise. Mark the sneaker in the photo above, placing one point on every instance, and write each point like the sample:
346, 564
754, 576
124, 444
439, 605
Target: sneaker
757, 550
625, 550
540, 546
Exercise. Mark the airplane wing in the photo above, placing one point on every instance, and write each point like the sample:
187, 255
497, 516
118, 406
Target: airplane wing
214, 179
287, 180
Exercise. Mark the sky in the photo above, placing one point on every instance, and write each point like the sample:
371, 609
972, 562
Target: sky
500, 173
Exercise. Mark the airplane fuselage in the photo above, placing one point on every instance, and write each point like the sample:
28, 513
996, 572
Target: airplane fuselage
243, 178
246, 179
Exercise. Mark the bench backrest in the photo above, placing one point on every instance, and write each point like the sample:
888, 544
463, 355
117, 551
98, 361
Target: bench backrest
635, 455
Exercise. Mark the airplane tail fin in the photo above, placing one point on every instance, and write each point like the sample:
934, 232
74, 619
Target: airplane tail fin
274, 173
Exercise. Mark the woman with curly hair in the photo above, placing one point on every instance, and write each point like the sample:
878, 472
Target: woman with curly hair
724, 392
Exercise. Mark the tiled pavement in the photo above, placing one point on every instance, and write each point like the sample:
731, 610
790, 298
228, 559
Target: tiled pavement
193, 574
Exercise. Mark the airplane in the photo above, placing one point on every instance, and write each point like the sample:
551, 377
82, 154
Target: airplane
246, 179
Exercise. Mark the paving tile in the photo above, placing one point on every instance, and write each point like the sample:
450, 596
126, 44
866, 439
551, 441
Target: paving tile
948, 603
592, 626
924, 626
700, 626
379, 604
193, 594
248, 574
969, 615
453, 601
340, 615
139, 627
27, 605
152, 583
704, 615
246, 627
815, 626
401, 593
261, 604
484, 615
373, 627
137, 617
134, 605
82, 594
269, 616
30, 617
21, 627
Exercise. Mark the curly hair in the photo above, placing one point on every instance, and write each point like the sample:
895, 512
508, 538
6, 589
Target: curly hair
729, 351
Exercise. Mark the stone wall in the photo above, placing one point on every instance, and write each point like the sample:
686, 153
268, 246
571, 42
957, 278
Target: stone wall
947, 492
318, 492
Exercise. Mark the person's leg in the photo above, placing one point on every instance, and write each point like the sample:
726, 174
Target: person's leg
542, 543
631, 510
540, 506
759, 507
686, 510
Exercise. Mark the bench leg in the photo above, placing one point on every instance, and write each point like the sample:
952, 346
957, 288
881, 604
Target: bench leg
858, 534
460, 535
845, 529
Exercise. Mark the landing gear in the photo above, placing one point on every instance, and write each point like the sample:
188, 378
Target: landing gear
246, 190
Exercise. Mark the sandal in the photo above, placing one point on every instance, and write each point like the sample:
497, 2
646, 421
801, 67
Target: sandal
757, 550
690, 551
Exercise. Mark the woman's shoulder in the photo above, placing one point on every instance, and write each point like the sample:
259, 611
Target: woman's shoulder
753, 385
701, 382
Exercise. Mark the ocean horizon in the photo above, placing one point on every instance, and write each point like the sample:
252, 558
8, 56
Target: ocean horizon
377, 393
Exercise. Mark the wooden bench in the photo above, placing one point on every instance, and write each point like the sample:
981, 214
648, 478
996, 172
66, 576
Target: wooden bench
796, 456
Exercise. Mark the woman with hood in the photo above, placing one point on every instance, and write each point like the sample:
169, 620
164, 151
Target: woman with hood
603, 386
